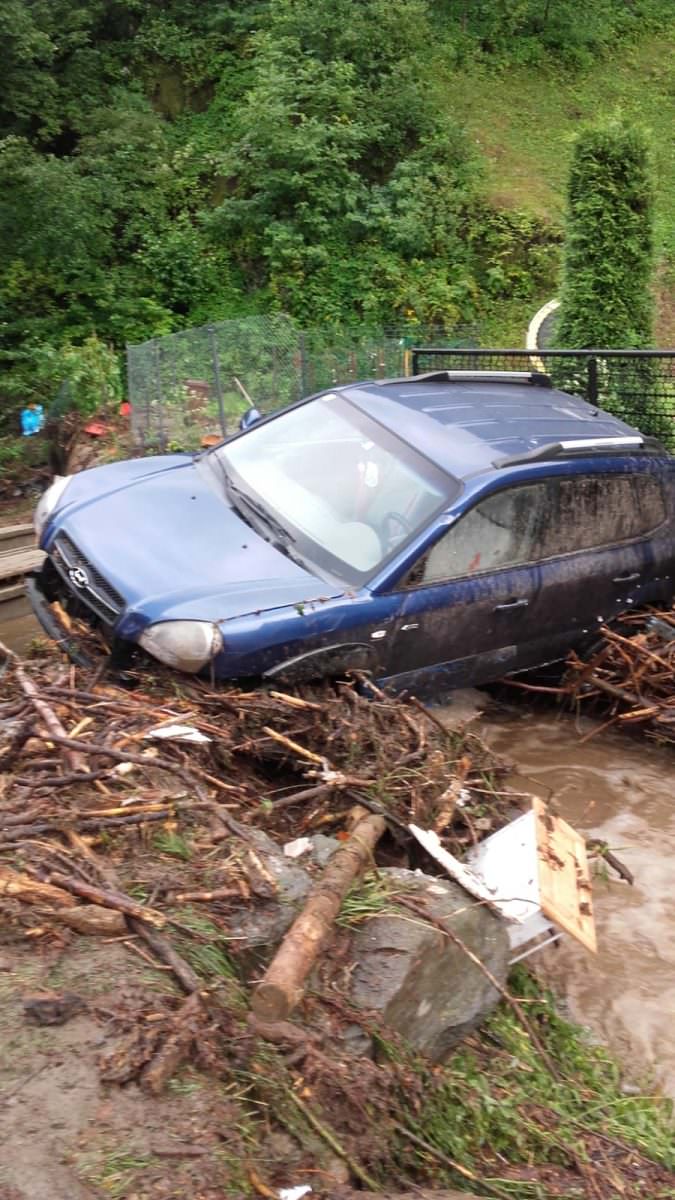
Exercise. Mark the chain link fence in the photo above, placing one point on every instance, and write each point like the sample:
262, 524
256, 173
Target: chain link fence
191, 387
636, 385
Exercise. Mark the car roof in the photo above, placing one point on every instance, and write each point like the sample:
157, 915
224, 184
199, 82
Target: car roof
470, 422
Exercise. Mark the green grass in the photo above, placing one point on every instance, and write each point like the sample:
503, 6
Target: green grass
173, 844
370, 897
524, 120
114, 1173
495, 1101
206, 953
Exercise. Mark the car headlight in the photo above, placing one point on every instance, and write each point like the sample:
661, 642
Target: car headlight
48, 502
186, 645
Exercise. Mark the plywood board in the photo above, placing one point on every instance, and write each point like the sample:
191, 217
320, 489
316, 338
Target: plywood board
564, 879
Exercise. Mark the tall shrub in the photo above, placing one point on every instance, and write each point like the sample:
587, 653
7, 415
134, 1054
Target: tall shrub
608, 256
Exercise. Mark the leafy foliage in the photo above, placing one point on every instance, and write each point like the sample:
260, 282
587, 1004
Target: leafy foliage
527, 31
606, 297
164, 165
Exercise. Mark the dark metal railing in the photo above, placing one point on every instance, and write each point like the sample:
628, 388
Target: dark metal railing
636, 385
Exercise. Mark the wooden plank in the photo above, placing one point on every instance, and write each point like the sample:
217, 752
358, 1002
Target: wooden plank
564, 877
15, 563
14, 537
12, 591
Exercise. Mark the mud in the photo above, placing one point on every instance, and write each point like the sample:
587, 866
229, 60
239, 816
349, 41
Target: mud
18, 626
64, 1135
621, 790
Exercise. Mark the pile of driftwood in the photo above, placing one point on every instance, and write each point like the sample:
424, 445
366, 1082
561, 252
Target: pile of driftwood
90, 772
127, 813
83, 756
630, 676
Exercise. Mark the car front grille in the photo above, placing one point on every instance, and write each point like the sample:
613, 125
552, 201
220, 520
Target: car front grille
84, 580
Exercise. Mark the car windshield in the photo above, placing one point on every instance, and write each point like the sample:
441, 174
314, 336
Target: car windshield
344, 491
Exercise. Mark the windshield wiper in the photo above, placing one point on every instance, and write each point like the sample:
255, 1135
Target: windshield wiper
282, 538
280, 532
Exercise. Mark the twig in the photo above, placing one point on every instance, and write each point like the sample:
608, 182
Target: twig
5, 1096
49, 717
449, 1162
412, 700
107, 899
294, 747
175, 1049
421, 911
187, 978
20, 833
332, 1141
602, 849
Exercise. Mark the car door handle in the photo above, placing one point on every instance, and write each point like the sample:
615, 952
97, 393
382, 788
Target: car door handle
626, 578
522, 603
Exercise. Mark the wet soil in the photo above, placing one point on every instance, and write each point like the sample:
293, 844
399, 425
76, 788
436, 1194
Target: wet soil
621, 790
18, 626
64, 1134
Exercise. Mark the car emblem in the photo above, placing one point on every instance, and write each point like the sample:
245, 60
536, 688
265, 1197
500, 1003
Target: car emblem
78, 577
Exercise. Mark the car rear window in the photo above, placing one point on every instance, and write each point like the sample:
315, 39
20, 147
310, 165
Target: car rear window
543, 520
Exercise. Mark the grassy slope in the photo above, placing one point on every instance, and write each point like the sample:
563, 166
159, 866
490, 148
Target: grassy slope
524, 121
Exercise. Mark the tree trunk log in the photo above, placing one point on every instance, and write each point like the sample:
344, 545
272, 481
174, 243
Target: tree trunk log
175, 1049
24, 887
116, 900
282, 985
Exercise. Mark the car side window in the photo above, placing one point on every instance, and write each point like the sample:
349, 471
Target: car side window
543, 520
599, 510
501, 531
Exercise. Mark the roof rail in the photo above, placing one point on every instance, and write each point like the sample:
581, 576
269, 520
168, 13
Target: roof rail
574, 447
534, 378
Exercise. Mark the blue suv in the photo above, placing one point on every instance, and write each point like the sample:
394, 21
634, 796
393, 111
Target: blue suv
438, 531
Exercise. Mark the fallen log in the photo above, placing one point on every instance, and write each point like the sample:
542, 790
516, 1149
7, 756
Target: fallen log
24, 887
175, 1049
283, 983
108, 899
92, 920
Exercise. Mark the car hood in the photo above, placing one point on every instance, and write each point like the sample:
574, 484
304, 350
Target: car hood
164, 534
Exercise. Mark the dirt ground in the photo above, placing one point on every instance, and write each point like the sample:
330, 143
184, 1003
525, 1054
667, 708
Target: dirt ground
68, 1136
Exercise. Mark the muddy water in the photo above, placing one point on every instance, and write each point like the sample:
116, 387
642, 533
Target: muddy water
18, 626
622, 791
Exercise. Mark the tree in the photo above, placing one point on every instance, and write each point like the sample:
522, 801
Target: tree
606, 296
343, 176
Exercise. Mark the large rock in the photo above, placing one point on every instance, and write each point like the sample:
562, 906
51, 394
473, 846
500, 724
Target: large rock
259, 925
422, 983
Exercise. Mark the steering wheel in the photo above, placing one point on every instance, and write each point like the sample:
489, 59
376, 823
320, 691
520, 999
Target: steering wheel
393, 529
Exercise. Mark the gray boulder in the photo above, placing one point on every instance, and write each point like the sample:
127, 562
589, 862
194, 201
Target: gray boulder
424, 986
258, 926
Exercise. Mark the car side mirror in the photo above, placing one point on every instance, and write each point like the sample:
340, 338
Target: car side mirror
249, 418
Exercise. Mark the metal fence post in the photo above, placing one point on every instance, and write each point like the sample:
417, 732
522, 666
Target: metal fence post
592, 385
304, 388
160, 395
216, 378
133, 416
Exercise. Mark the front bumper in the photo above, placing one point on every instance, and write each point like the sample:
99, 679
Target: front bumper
50, 622
95, 643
